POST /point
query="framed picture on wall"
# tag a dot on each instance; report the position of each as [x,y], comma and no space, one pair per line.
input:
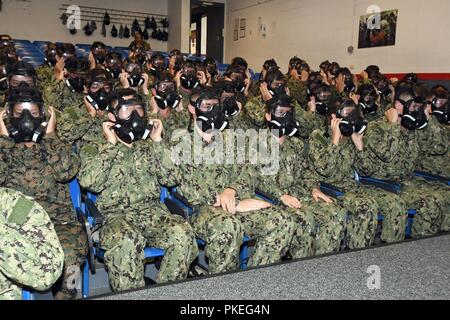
[236,29]
[243,27]
[378,29]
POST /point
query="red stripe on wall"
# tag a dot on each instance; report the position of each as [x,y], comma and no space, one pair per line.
[422,76]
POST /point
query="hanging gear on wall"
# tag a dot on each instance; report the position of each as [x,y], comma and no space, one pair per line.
[153,24]
[87,29]
[121,32]
[145,34]
[63,19]
[106,19]
[126,32]
[114,31]
[165,23]
[104,30]
[147,23]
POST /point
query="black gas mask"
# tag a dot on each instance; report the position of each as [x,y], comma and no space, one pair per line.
[212,118]
[189,80]
[441,110]
[368,104]
[114,71]
[352,121]
[135,79]
[3,78]
[239,84]
[414,120]
[277,88]
[29,125]
[131,120]
[212,70]
[283,125]
[75,83]
[230,106]
[157,68]
[166,96]
[322,103]
[99,99]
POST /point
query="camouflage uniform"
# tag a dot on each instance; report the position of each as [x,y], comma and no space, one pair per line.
[45,74]
[392,153]
[435,146]
[319,228]
[39,172]
[335,165]
[200,179]
[299,91]
[127,180]
[30,252]
[176,120]
[73,118]
[255,110]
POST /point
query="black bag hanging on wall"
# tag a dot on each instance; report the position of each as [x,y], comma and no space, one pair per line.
[107,19]
[64,18]
[165,23]
[126,32]
[154,34]
[148,23]
[87,29]
[114,32]
[145,35]
[153,24]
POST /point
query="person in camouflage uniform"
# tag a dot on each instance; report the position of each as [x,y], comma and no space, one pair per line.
[269,65]
[332,156]
[40,170]
[435,143]
[319,227]
[297,81]
[30,252]
[155,67]
[222,194]
[187,80]
[232,104]
[127,171]
[370,102]
[46,71]
[65,92]
[275,83]
[167,105]
[5,65]
[98,90]
[392,151]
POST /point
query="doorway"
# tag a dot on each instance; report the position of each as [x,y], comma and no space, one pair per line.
[207,27]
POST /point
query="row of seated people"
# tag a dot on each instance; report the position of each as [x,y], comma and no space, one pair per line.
[125,128]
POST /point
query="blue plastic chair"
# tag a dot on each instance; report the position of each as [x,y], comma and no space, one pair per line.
[149,252]
[243,254]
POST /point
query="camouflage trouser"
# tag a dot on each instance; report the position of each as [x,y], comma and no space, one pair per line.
[394,210]
[125,236]
[273,229]
[72,237]
[223,234]
[363,219]
[319,229]
[431,202]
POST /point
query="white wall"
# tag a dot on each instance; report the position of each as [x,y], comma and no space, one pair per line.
[179,30]
[317,30]
[39,20]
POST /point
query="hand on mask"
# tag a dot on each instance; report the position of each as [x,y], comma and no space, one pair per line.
[145,85]
[51,127]
[92,60]
[59,69]
[178,79]
[265,92]
[109,133]
[157,131]
[3,130]
[291,202]
[428,112]
[319,195]
[312,105]
[335,130]
[90,109]
[358,141]
[392,115]
[124,80]
[354,97]
[250,205]
[227,200]
[202,78]
[304,76]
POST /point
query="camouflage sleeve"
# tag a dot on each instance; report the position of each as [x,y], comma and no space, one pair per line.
[307,121]
[383,140]
[73,123]
[167,172]
[432,140]
[60,156]
[6,144]
[96,163]
[323,154]
[254,110]
[30,252]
